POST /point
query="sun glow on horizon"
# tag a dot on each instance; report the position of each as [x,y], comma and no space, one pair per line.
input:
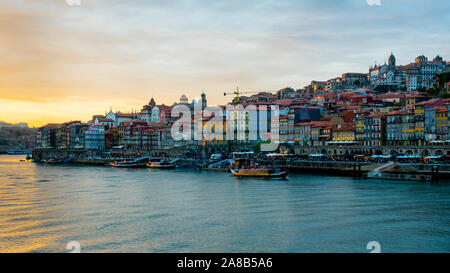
[63,62]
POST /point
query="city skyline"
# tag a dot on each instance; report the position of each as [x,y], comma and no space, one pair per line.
[69,63]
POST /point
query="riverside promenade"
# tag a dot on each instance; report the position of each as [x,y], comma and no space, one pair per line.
[352,168]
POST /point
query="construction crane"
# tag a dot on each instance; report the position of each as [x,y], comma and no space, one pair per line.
[237,93]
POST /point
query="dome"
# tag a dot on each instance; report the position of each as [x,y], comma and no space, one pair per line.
[183,99]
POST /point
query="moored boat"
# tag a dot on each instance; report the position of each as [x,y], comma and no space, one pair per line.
[161,163]
[129,164]
[51,160]
[259,172]
[59,160]
[132,163]
[245,168]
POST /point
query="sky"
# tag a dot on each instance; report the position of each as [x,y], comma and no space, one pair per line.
[61,61]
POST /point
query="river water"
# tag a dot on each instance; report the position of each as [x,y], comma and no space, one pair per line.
[44,207]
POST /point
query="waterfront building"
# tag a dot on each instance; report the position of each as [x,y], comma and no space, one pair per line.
[298,114]
[216,129]
[408,127]
[94,137]
[442,123]
[321,132]
[394,128]
[344,133]
[419,124]
[135,137]
[75,136]
[239,122]
[46,135]
[374,130]
[430,124]
[425,120]
[360,129]
[447,105]
[284,128]
[129,127]
[302,132]
[244,123]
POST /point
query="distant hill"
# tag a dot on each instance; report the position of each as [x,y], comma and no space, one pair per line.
[15,136]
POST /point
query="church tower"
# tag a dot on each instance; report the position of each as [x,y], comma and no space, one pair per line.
[152,102]
[204,104]
[392,60]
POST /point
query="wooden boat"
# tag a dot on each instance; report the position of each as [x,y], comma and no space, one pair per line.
[51,160]
[260,172]
[57,160]
[136,163]
[242,169]
[158,163]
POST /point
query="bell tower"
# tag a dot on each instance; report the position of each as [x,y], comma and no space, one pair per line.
[392,60]
[204,104]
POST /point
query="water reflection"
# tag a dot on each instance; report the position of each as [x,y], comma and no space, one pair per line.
[44,207]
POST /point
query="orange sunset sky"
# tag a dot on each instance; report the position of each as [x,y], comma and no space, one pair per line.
[62,62]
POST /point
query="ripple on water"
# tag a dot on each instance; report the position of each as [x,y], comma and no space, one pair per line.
[44,180]
[182,210]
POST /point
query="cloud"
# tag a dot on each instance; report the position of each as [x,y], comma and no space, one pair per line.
[374,2]
[131,50]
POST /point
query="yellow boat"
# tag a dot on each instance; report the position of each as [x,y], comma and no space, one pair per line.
[161,163]
[51,160]
[262,172]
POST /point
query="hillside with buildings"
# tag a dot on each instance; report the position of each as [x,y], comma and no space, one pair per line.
[391,105]
[16,136]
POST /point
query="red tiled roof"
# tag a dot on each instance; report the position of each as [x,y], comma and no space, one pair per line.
[321,124]
[302,123]
[376,114]
[428,102]
[105,120]
[133,121]
[345,127]
[122,115]
[441,109]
